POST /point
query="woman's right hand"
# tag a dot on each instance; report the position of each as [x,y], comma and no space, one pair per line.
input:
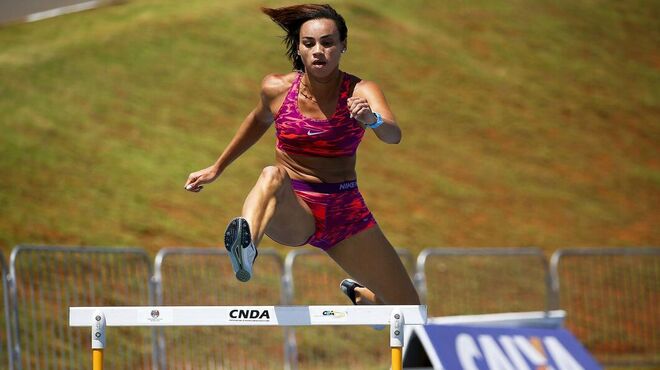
[197,179]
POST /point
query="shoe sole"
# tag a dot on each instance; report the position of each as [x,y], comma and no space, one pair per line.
[237,237]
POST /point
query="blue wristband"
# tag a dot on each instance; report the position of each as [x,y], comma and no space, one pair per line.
[379,121]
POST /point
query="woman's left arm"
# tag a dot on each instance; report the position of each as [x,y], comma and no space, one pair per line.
[368,99]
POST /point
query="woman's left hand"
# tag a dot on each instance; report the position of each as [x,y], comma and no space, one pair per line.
[360,110]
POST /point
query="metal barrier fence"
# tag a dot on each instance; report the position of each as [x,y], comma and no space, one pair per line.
[611,296]
[5,320]
[467,281]
[204,277]
[45,281]
[312,278]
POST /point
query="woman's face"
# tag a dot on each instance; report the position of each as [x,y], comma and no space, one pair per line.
[320,47]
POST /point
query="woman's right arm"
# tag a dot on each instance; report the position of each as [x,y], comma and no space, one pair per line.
[251,130]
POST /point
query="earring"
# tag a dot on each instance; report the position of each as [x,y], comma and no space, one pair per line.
[343,51]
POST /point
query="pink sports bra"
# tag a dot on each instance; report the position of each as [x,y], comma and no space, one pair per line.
[338,136]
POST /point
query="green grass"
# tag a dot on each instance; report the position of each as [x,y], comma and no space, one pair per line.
[525,122]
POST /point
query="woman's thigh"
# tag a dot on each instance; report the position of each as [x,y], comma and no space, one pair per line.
[369,258]
[292,222]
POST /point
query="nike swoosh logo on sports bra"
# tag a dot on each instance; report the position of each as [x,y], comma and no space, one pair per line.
[312,133]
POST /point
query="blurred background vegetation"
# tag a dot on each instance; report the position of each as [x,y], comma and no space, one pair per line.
[524,122]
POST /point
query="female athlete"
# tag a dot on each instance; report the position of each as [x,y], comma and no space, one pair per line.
[310,195]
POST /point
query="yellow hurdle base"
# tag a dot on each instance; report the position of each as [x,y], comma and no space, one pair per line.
[97,359]
[397,362]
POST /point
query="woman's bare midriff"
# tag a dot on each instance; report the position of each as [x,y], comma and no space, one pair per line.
[317,169]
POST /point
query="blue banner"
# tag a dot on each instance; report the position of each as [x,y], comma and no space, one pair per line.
[481,348]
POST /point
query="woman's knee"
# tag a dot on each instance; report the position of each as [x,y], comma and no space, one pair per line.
[272,178]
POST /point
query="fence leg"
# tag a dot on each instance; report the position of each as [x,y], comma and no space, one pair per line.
[98,340]
[396,339]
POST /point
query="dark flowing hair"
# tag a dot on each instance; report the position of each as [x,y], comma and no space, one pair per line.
[291,18]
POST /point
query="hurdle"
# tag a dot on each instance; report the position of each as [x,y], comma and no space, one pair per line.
[98,318]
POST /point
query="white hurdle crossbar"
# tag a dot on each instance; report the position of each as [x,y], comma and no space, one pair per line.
[98,318]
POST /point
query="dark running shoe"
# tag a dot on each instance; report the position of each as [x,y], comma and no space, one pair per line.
[348,287]
[242,252]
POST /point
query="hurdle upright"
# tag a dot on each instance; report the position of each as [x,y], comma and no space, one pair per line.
[98,318]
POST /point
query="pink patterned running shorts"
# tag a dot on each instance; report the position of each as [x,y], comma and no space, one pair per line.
[338,208]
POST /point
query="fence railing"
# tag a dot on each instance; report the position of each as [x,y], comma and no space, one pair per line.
[313,278]
[204,277]
[612,297]
[465,281]
[46,280]
[5,319]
